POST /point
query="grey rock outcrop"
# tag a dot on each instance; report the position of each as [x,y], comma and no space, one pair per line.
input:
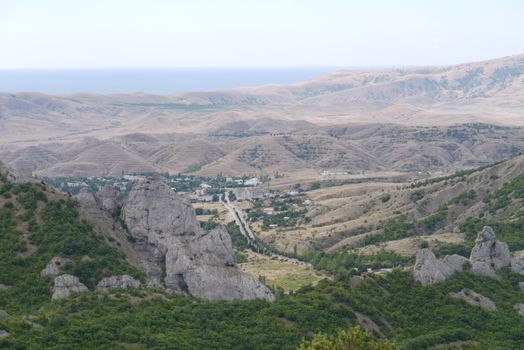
[520,309]
[489,255]
[108,199]
[473,298]
[53,268]
[429,270]
[65,285]
[123,281]
[166,231]
[517,263]
[3,314]
[521,286]
[3,286]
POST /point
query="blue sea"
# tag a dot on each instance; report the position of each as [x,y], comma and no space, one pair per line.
[155,81]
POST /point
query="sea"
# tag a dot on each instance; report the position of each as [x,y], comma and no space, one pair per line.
[149,80]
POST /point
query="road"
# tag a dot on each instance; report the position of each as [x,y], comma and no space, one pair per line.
[239,216]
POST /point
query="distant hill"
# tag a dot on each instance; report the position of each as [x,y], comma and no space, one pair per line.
[490,91]
[230,151]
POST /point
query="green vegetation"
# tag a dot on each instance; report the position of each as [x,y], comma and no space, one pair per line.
[54,231]
[354,339]
[404,312]
[239,241]
[501,198]
[345,263]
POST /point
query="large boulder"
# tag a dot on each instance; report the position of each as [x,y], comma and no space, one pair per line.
[53,268]
[65,285]
[123,281]
[180,255]
[429,270]
[473,298]
[489,255]
[517,263]
[108,199]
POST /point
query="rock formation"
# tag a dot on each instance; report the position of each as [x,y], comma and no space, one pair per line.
[486,258]
[3,314]
[86,198]
[521,286]
[489,255]
[517,263]
[520,309]
[178,254]
[123,281]
[107,199]
[65,285]
[3,286]
[473,298]
[428,269]
[52,269]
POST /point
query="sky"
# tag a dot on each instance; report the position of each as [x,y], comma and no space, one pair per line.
[256,33]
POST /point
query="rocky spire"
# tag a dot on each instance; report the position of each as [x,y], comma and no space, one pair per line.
[489,255]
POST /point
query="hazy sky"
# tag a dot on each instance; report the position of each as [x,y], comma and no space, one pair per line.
[256,33]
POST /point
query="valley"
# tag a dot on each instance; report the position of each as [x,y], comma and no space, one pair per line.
[259,217]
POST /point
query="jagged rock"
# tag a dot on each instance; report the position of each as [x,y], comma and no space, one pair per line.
[52,269]
[428,269]
[108,199]
[521,286]
[123,281]
[67,284]
[164,226]
[517,263]
[489,255]
[4,334]
[520,309]
[473,298]
[3,314]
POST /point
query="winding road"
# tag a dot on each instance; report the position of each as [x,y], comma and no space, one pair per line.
[245,230]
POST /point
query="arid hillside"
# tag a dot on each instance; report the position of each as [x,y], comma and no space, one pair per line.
[349,148]
[372,217]
[490,92]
